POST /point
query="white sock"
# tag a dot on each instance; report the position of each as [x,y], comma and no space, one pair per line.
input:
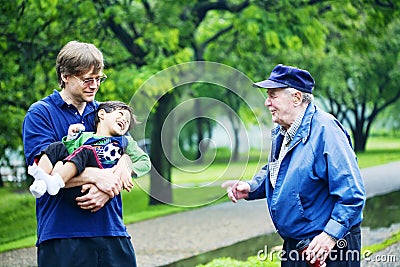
[53,182]
[34,170]
[38,188]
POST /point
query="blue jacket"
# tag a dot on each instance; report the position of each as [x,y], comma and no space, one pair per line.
[319,185]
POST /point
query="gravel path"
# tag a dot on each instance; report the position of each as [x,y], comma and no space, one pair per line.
[171,238]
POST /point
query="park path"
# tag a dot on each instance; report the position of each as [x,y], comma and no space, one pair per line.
[174,237]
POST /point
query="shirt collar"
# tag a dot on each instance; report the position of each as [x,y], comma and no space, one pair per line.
[57,99]
[291,132]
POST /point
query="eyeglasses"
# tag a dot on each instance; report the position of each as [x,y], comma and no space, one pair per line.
[89,81]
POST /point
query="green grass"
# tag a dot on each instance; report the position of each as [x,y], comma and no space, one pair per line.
[380,150]
[250,262]
[368,250]
[194,186]
[17,213]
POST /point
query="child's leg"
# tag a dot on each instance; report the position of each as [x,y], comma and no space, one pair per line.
[53,182]
[55,152]
[45,162]
[66,170]
[82,157]
[74,164]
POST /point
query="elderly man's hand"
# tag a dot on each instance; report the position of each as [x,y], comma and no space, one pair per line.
[236,189]
[319,248]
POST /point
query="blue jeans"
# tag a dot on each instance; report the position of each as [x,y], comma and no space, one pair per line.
[346,253]
[87,252]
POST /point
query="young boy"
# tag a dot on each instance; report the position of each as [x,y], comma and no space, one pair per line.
[67,159]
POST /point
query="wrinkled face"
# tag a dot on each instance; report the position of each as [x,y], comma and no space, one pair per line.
[114,123]
[281,105]
[83,88]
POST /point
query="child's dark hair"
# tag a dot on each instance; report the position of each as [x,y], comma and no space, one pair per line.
[110,106]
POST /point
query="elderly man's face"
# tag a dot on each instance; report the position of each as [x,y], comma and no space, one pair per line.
[280,103]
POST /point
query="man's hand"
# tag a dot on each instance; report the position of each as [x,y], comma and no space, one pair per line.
[104,179]
[319,248]
[93,200]
[123,170]
[236,189]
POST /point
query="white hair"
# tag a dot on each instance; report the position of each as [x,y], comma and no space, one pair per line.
[306,97]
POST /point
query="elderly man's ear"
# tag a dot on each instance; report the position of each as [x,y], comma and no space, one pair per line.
[297,98]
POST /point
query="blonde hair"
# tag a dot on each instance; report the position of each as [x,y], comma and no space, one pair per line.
[76,58]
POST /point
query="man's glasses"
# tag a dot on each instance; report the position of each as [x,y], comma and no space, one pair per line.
[90,81]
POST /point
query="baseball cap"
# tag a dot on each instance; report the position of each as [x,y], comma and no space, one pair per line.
[287,76]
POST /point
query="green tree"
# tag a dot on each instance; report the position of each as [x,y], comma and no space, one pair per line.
[157,33]
[359,73]
[351,47]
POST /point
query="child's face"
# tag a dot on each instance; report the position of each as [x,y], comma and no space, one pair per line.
[117,121]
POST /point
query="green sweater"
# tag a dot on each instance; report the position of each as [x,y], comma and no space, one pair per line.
[140,160]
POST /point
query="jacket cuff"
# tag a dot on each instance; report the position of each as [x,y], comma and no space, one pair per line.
[335,229]
[253,185]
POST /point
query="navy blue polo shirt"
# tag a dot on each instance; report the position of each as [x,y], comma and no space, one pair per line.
[47,121]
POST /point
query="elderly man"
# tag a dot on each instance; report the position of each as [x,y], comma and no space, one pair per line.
[312,182]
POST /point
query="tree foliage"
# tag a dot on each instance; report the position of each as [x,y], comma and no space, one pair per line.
[351,48]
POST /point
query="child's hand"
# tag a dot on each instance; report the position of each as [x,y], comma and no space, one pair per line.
[74,130]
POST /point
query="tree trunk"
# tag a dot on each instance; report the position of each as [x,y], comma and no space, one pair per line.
[360,141]
[200,137]
[235,156]
[160,174]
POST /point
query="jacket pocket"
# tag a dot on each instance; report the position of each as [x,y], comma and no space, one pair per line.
[299,205]
[290,216]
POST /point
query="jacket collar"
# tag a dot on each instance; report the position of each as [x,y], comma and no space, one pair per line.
[304,130]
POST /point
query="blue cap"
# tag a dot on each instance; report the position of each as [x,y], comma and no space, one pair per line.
[287,76]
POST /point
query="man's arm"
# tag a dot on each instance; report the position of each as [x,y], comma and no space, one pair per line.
[345,184]
[104,179]
[345,181]
[37,134]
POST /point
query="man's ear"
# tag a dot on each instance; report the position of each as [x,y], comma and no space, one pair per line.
[297,98]
[64,77]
